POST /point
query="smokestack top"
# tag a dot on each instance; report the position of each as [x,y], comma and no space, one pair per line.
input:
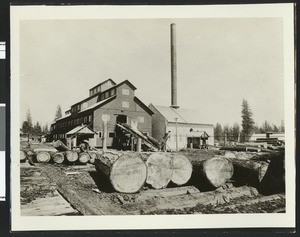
[173,67]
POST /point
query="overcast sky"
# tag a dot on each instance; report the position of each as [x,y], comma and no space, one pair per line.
[220,62]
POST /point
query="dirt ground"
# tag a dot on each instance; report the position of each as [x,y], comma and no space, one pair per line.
[90,193]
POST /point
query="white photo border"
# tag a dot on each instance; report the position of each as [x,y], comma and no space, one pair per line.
[215,221]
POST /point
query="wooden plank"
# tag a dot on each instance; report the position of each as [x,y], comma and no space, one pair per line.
[73,173]
[191,200]
[168,192]
[84,199]
[48,206]
[26,165]
[239,206]
[33,178]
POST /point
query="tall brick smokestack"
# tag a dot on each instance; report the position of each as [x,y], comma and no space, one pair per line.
[173,68]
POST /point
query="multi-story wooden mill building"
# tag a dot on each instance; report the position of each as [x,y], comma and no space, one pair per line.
[107,100]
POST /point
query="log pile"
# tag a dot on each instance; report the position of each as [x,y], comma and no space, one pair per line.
[128,172]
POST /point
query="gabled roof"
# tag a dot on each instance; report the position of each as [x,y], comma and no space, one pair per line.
[128,83]
[99,104]
[63,117]
[96,105]
[182,115]
[142,105]
[112,82]
[97,94]
[80,130]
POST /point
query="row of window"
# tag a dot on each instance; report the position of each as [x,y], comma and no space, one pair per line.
[111,135]
[73,122]
[98,88]
[59,136]
[108,94]
[103,96]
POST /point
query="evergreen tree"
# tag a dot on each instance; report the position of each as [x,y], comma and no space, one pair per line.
[275,128]
[218,131]
[226,132]
[282,128]
[58,113]
[266,127]
[235,131]
[26,127]
[27,124]
[45,128]
[37,128]
[247,121]
[256,128]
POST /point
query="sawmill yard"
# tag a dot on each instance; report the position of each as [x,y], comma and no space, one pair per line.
[218,181]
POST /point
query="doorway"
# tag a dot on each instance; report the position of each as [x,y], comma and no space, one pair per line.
[193,142]
[121,118]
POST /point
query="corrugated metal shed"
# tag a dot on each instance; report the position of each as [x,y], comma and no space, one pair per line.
[183,115]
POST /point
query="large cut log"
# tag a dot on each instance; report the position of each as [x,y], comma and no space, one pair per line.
[60,146]
[217,170]
[249,171]
[43,157]
[211,173]
[165,193]
[126,171]
[50,150]
[23,155]
[274,179]
[182,169]
[71,156]
[58,157]
[159,169]
[240,148]
[193,200]
[210,168]
[83,157]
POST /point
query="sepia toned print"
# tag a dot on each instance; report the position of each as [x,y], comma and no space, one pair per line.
[153,117]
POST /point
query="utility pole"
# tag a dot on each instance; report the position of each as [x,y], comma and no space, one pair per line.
[176,134]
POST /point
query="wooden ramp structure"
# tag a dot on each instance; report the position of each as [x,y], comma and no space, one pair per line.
[135,132]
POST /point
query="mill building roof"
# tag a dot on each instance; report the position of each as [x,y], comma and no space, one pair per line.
[183,115]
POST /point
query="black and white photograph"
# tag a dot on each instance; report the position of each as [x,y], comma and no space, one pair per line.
[152,117]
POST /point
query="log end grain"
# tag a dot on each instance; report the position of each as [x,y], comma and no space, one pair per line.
[159,170]
[58,158]
[43,157]
[182,169]
[128,174]
[84,157]
[71,156]
[23,155]
[218,170]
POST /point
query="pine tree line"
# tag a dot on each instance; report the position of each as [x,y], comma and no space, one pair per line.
[37,129]
[243,133]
